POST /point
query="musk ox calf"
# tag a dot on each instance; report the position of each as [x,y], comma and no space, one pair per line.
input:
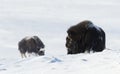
[85,36]
[30,45]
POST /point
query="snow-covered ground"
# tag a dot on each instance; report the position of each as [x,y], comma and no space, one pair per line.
[49,19]
[98,63]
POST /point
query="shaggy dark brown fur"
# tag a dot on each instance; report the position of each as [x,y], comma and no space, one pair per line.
[85,36]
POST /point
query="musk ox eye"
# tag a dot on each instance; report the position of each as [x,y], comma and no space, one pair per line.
[68,38]
[72,34]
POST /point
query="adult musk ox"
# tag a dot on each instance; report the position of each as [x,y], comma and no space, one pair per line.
[31,45]
[85,36]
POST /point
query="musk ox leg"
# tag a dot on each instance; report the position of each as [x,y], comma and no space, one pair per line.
[91,39]
[88,45]
[29,54]
[23,55]
[69,52]
[88,48]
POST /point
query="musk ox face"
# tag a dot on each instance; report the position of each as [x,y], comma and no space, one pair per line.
[74,35]
[70,43]
[73,47]
[85,36]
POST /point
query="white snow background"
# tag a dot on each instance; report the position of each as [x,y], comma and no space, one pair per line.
[50,19]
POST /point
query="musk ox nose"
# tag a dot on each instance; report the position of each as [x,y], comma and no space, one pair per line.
[42,52]
[43,46]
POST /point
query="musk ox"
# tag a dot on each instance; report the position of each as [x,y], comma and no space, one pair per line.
[85,36]
[31,45]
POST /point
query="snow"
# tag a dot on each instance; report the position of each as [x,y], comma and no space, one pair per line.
[98,63]
[50,19]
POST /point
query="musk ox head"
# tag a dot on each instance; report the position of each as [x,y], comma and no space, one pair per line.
[73,47]
[38,42]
